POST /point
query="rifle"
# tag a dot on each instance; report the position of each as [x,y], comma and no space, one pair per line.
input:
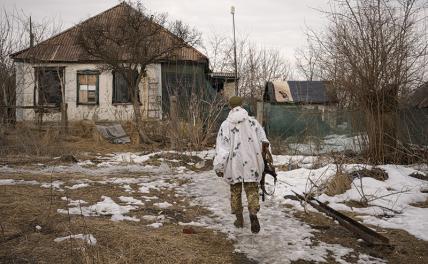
[268,169]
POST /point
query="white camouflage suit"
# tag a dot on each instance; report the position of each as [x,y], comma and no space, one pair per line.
[239,148]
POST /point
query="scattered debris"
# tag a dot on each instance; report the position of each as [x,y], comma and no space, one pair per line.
[114,133]
[189,230]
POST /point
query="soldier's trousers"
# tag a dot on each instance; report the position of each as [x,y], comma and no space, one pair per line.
[252,192]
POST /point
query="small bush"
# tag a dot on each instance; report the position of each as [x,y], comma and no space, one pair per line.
[338,184]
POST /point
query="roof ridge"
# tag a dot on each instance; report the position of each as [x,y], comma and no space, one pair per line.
[122,7]
[70,28]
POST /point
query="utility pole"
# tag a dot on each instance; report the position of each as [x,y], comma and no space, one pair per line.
[232,11]
[31,34]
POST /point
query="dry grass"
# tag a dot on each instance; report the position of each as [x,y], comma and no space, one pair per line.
[23,207]
[31,144]
[338,184]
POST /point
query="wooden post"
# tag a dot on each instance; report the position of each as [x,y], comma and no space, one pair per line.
[64,118]
[265,116]
[259,115]
[173,113]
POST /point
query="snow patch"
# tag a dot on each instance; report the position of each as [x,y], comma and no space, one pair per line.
[130,200]
[106,207]
[77,186]
[163,205]
[155,225]
[89,239]
[54,185]
[17,182]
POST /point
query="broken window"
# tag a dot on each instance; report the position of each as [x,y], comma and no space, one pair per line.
[50,82]
[87,86]
[121,89]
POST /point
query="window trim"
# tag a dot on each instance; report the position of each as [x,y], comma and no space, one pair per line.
[37,70]
[115,103]
[88,72]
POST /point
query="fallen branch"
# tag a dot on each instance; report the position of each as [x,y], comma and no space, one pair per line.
[367,234]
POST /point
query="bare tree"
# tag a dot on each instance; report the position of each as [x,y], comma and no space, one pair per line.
[133,40]
[256,65]
[14,36]
[307,61]
[374,52]
[217,48]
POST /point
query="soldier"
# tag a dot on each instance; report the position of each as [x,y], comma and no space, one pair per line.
[239,160]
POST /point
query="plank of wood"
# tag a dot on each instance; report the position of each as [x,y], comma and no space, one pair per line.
[367,234]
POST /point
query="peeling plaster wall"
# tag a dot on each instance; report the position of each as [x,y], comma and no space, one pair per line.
[105,110]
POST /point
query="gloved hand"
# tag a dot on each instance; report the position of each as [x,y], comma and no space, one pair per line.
[267,156]
[219,174]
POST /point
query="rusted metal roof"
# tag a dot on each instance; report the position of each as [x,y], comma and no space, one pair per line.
[64,47]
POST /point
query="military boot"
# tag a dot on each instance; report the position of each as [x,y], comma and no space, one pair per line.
[255,225]
[239,222]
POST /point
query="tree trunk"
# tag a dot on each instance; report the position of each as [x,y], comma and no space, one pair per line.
[64,118]
[382,136]
[139,124]
[137,114]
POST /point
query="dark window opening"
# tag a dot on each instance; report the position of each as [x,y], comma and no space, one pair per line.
[185,81]
[50,82]
[121,90]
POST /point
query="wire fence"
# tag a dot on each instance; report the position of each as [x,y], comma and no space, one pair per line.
[294,129]
[310,129]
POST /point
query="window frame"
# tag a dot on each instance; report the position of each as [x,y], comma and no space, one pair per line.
[113,101]
[88,72]
[37,70]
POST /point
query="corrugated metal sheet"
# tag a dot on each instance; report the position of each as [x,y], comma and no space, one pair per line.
[228,75]
[312,92]
[64,47]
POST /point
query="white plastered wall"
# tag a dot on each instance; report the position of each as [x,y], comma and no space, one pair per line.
[105,110]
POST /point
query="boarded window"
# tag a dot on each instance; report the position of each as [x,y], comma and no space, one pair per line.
[87,87]
[121,89]
[49,82]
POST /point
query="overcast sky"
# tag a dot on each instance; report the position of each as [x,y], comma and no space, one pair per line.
[269,23]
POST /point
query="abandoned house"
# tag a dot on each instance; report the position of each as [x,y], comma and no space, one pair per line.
[91,93]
